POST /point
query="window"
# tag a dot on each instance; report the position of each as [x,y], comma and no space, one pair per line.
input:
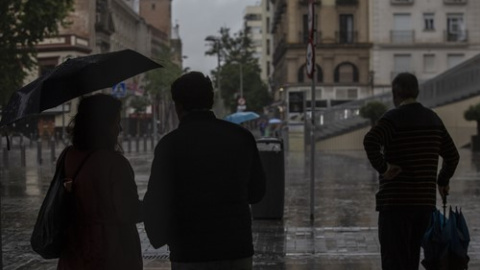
[429,63]
[455,27]
[346,73]
[402,30]
[346,28]
[305,33]
[268,46]
[401,63]
[454,59]
[429,21]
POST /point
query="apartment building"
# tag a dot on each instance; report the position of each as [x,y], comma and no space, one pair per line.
[99,26]
[425,37]
[342,68]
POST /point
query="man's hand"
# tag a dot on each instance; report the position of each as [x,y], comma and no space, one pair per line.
[443,190]
[391,172]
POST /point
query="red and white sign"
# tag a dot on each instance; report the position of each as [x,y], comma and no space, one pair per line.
[310,59]
[241,101]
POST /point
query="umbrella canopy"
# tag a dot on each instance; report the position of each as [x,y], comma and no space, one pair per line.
[240,117]
[274,121]
[73,78]
[445,244]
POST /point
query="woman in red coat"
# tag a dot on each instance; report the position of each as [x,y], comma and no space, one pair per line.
[103,234]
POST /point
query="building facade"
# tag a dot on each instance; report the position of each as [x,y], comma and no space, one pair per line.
[100,26]
[424,37]
[342,68]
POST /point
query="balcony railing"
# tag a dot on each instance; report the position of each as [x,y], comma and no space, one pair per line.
[346,2]
[454,2]
[401,2]
[402,36]
[460,36]
[346,37]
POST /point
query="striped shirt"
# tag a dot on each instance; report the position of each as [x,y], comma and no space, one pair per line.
[412,137]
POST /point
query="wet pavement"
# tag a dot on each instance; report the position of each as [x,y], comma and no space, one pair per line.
[343,234]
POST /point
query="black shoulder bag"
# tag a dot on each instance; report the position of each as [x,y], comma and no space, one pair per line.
[54,216]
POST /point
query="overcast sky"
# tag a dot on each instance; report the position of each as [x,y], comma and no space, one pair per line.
[200,18]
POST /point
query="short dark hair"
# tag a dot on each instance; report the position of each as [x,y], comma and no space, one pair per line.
[405,85]
[194,91]
[91,127]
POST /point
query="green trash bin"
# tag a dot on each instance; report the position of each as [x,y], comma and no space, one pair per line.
[272,156]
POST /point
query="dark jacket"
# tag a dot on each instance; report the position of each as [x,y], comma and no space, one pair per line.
[412,137]
[103,234]
[204,176]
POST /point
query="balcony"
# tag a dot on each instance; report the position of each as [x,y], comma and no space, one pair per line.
[346,37]
[346,2]
[454,2]
[459,36]
[401,2]
[402,36]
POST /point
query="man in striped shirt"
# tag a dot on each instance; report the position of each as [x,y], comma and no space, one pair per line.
[404,147]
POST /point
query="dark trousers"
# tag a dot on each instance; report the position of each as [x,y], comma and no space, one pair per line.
[400,234]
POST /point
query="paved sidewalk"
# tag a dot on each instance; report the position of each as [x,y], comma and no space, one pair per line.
[343,235]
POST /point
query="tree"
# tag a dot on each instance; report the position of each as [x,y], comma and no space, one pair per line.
[158,83]
[373,111]
[237,55]
[24,23]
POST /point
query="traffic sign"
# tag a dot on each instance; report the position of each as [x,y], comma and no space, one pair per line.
[119,90]
[310,59]
[241,101]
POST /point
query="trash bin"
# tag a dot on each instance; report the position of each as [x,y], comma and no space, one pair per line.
[272,157]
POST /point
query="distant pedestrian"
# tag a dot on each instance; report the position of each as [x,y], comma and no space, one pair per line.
[203,178]
[262,126]
[404,147]
[102,234]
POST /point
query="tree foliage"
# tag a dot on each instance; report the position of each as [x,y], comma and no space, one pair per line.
[158,81]
[373,111]
[23,24]
[237,59]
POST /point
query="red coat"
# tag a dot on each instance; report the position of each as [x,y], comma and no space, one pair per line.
[104,234]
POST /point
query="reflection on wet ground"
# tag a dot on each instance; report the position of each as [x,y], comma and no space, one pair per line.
[343,235]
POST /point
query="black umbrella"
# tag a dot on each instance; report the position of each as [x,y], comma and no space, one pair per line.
[445,244]
[73,78]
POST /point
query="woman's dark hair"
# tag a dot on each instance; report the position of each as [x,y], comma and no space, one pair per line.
[91,128]
[194,91]
[405,85]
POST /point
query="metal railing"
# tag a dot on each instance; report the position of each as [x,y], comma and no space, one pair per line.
[450,2]
[457,83]
[459,36]
[401,2]
[402,36]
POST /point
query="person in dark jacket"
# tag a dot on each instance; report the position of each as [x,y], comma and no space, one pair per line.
[404,147]
[204,176]
[103,233]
